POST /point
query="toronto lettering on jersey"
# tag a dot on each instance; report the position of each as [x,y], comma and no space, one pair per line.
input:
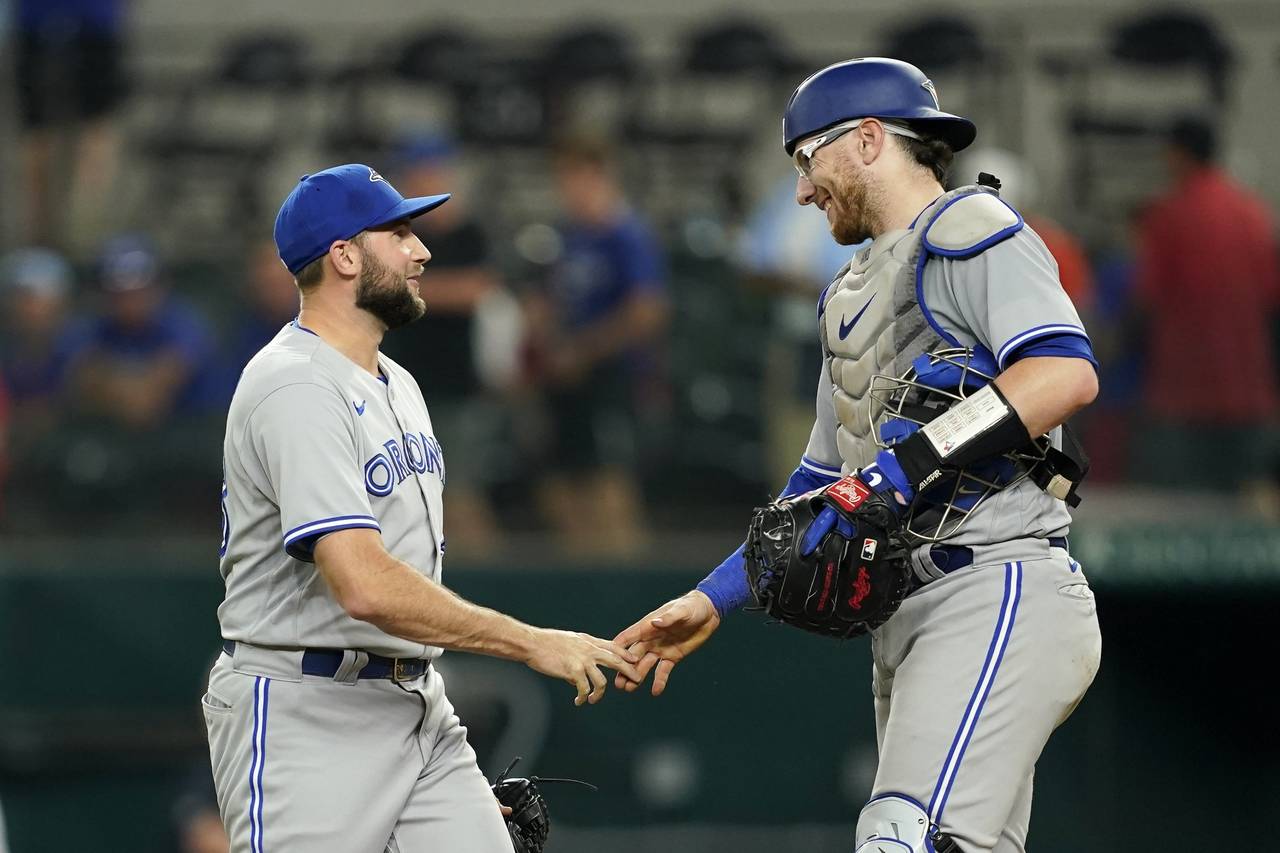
[416,452]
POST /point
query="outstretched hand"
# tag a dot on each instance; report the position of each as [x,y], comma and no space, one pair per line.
[665,637]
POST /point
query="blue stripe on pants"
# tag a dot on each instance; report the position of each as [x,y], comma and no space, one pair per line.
[981,691]
[261,698]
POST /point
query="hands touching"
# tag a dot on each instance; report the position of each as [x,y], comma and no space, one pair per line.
[577,658]
[665,637]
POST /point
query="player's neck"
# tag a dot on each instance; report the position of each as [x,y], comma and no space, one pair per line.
[902,206]
[351,331]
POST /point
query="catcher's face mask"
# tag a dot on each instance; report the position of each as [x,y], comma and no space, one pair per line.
[933,384]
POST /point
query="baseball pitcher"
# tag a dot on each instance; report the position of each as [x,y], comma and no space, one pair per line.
[329,728]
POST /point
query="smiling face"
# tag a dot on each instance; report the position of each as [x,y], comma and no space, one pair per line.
[388,285]
[845,189]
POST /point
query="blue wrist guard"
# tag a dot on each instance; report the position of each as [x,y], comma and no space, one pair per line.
[727,586]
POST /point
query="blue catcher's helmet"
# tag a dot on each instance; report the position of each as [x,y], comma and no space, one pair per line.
[871,87]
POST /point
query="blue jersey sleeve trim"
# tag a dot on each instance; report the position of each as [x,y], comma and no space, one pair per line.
[300,542]
[803,480]
[1021,339]
[820,468]
[1056,346]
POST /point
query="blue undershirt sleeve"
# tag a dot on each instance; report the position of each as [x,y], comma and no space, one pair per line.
[726,586]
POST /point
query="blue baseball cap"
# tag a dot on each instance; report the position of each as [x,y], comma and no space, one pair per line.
[128,262]
[337,204]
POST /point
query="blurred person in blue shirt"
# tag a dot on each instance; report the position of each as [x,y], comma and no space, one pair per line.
[271,298]
[787,252]
[444,348]
[148,356]
[597,328]
[40,337]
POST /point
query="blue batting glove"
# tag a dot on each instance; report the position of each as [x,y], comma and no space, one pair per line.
[826,520]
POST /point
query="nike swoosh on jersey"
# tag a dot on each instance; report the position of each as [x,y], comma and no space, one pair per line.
[359,407]
[846,328]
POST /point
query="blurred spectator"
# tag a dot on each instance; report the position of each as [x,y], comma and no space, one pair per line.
[1020,186]
[272,298]
[1116,330]
[70,80]
[4,842]
[788,251]
[596,328]
[40,339]
[440,349]
[1208,280]
[148,356]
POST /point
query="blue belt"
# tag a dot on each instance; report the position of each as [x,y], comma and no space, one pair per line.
[326,662]
[950,558]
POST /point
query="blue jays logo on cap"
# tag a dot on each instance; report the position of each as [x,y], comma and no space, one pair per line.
[337,204]
[928,86]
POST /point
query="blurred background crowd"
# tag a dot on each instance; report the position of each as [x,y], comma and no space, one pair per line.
[621,296]
[619,353]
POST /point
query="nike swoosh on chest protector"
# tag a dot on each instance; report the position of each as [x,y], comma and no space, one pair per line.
[846,328]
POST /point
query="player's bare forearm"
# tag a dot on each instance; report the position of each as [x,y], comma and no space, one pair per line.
[1046,391]
[373,586]
[391,595]
[666,636]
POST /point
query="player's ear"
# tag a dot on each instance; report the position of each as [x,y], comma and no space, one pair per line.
[345,257]
[871,140]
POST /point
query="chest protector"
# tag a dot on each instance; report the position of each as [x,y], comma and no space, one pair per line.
[871,320]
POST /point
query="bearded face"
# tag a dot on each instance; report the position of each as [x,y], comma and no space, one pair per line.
[855,203]
[387,294]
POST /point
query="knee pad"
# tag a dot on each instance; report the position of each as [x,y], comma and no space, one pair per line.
[894,823]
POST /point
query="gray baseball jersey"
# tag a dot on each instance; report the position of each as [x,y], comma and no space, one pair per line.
[335,763]
[315,444]
[979,666]
[1002,299]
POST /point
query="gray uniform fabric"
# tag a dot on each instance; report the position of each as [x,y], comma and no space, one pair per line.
[314,445]
[979,666]
[1002,298]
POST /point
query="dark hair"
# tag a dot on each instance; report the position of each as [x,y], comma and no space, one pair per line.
[931,153]
[1195,136]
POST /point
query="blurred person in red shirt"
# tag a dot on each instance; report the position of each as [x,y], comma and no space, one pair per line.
[1208,282]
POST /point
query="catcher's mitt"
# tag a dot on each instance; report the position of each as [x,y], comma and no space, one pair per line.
[529,822]
[829,561]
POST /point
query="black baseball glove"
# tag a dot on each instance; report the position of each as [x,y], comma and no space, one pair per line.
[829,561]
[529,822]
